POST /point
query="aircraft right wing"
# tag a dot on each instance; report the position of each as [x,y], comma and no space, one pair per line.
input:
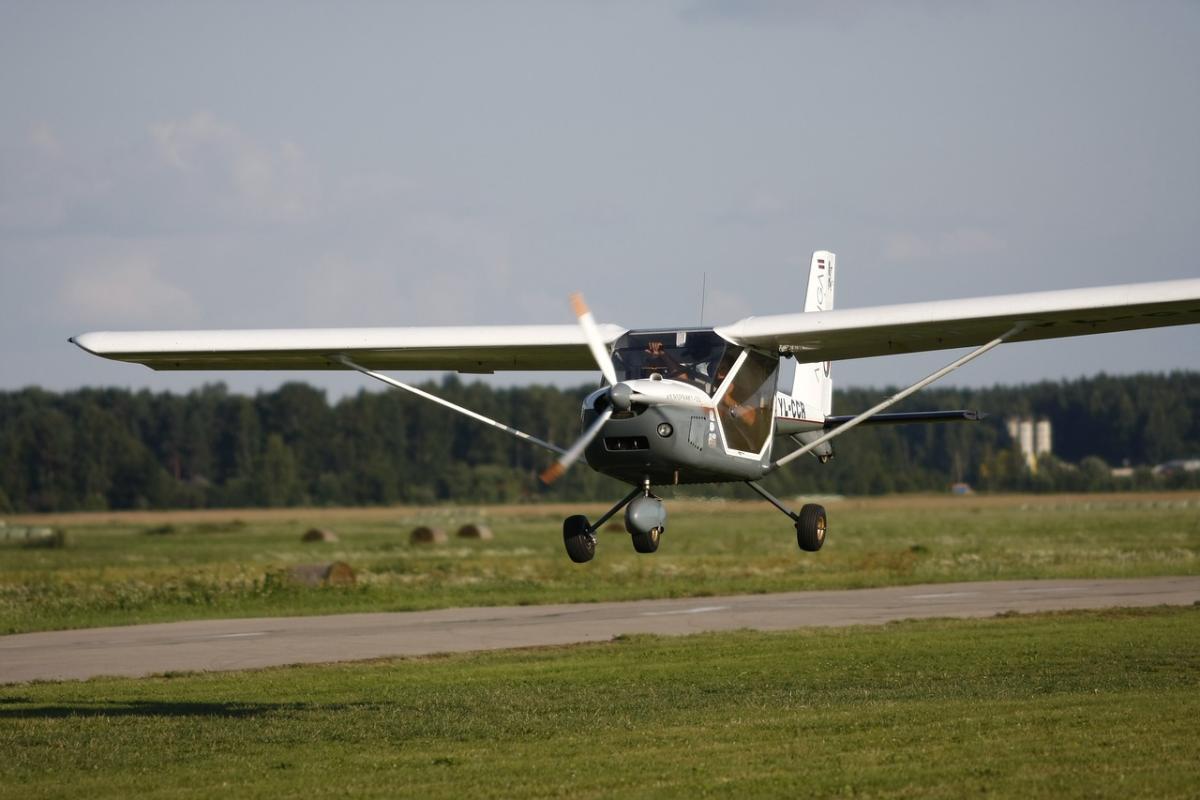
[947,324]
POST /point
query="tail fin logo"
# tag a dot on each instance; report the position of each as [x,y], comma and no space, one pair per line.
[819,296]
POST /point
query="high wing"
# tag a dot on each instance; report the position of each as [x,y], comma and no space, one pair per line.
[945,324]
[813,336]
[474,349]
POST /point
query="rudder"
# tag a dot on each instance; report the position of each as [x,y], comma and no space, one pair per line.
[812,384]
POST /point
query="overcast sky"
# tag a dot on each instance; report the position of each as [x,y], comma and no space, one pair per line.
[202,165]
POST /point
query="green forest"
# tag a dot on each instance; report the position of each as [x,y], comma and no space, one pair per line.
[98,449]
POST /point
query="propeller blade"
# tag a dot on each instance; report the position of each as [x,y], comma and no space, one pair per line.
[556,470]
[592,334]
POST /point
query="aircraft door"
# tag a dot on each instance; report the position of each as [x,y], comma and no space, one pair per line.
[745,407]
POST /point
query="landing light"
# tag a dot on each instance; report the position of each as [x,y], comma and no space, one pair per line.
[665,429]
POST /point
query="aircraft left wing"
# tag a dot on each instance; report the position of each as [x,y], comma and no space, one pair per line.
[947,324]
[471,349]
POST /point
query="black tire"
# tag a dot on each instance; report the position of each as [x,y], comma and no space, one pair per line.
[810,528]
[579,538]
[646,542]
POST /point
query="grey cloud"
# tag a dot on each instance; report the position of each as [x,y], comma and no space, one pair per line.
[961,243]
[773,12]
[195,173]
[834,14]
[129,287]
[218,165]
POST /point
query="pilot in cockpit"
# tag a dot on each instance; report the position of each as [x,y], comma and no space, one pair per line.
[657,361]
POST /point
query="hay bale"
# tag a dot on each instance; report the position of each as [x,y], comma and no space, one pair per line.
[319,535]
[473,531]
[46,537]
[337,573]
[427,535]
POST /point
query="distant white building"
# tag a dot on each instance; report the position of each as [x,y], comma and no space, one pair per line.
[1178,465]
[1032,438]
[1041,438]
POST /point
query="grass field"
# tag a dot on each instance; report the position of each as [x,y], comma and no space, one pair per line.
[126,568]
[1081,704]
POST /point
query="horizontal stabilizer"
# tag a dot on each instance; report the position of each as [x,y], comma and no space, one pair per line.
[909,417]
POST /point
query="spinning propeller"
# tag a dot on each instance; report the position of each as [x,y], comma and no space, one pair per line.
[620,395]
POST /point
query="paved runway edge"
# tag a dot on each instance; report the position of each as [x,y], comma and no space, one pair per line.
[214,645]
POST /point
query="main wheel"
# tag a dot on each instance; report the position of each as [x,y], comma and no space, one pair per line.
[810,528]
[579,538]
[646,542]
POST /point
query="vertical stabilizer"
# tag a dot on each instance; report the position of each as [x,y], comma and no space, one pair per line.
[819,296]
[812,384]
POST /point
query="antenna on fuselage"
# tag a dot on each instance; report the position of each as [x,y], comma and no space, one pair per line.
[703,289]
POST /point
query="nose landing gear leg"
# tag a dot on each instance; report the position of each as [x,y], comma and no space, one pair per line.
[646,520]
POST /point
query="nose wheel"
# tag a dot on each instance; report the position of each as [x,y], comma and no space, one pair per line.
[646,520]
[646,542]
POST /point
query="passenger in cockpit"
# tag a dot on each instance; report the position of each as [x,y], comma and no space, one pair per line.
[699,363]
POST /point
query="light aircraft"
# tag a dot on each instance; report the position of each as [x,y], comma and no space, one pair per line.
[691,405]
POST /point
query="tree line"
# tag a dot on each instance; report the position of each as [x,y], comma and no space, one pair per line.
[97,449]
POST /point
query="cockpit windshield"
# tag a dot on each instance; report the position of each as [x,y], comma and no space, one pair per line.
[689,356]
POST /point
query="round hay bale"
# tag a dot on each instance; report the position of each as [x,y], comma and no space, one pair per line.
[319,535]
[428,535]
[338,573]
[46,537]
[473,531]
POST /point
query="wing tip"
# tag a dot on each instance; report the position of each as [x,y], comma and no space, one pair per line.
[82,342]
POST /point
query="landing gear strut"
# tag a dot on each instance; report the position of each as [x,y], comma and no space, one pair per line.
[810,522]
[645,519]
[579,535]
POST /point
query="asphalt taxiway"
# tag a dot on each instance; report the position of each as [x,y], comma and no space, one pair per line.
[231,644]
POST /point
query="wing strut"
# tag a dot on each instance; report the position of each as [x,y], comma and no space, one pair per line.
[898,396]
[341,359]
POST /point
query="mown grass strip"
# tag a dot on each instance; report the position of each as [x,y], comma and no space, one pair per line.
[1080,704]
[124,573]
